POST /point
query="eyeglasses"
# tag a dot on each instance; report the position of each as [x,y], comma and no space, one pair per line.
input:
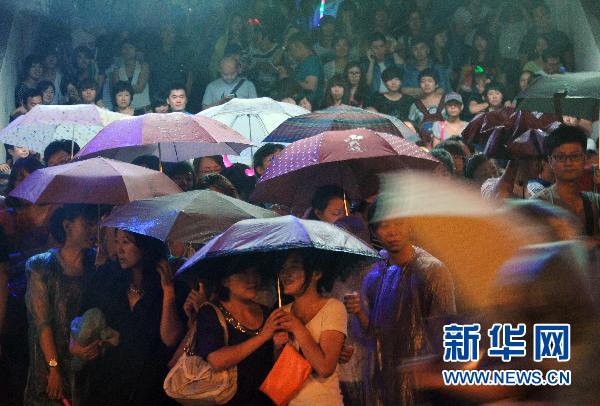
[562,158]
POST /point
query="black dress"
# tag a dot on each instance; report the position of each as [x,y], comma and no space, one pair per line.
[252,371]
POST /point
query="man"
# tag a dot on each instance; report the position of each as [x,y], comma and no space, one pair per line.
[31,98]
[308,72]
[177,98]
[264,156]
[565,148]
[60,152]
[378,62]
[420,53]
[552,62]
[229,86]
[408,298]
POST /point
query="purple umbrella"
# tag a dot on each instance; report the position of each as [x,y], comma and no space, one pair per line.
[173,137]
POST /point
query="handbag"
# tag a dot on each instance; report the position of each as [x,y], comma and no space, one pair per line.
[192,381]
[287,376]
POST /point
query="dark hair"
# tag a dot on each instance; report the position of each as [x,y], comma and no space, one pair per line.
[494,86]
[217,181]
[69,212]
[43,85]
[243,183]
[263,152]
[313,261]
[60,145]
[217,158]
[327,19]
[551,52]
[429,73]
[444,157]
[147,161]
[473,163]
[178,168]
[87,84]
[336,80]
[285,88]
[31,93]
[121,86]
[362,91]
[82,50]
[231,266]
[176,86]
[28,164]
[64,84]
[30,60]
[323,196]
[391,73]
[564,134]
[300,38]
[158,102]
[419,39]
[453,147]
[376,36]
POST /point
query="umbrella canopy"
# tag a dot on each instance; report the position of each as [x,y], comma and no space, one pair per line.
[333,119]
[44,124]
[279,234]
[351,159]
[578,94]
[253,118]
[94,181]
[174,137]
[452,221]
[191,217]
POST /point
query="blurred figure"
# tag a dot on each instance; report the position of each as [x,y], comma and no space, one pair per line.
[328,204]
[458,155]
[479,168]
[208,164]
[147,161]
[32,74]
[60,152]
[217,183]
[48,92]
[264,156]
[446,167]
[336,92]
[135,73]
[182,174]
[242,178]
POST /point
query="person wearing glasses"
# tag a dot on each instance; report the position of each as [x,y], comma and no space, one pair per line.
[565,148]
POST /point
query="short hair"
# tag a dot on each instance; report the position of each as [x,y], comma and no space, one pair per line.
[147,161]
[44,85]
[300,38]
[494,86]
[69,212]
[419,39]
[453,147]
[263,152]
[28,164]
[30,93]
[176,86]
[219,182]
[445,158]
[376,36]
[121,86]
[324,194]
[217,158]
[87,84]
[473,163]
[60,145]
[64,84]
[564,134]
[391,73]
[178,168]
[429,73]
[551,52]
[29,61]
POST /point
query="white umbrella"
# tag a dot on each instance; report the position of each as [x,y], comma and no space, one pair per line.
[253,118]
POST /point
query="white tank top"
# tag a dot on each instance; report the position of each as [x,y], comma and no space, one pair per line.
[139,99]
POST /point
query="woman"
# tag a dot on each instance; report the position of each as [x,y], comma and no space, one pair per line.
[452,125]
[348,26]
[483,58]
[336,93]
[136,74]
[208,164]
[392,102]
[122,96]
[32,68]
[328,204]
[57,282]
[317,324]
[84,66]
[235,35]
[140,301]
[358,88]
[48,91]
[250,329]
[535,62]
[337,65]
[70,91]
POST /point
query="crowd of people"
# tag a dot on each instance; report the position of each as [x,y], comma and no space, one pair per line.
[432,65]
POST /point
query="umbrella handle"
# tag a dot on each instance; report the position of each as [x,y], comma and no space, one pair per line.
[558,105]
[278,292]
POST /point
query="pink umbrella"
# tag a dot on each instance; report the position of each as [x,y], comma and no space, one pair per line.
[173,137]
[94,181]
[351,159]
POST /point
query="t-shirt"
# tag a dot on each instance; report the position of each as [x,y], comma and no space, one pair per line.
[411,76]
[397,108]
[218,89]
[316,390]
[311,66]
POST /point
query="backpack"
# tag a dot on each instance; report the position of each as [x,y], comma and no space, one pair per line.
[426,127]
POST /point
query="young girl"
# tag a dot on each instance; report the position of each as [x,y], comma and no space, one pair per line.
[317,325]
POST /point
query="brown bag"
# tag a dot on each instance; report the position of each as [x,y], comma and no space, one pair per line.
[287,376]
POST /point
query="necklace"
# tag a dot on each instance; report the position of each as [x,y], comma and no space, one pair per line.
[233,322]
[135,291]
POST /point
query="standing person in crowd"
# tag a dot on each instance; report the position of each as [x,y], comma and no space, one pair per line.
[318,324]
[208,164]
[32,68]
[31,98]
[88,93]
[336,92]
[52,72]
[357,84]
[452,125]
[217,183]
[14,154]
[229,86]
[440,53]
[264,156]
[325,39]
[308,72]
[337,65]
[483,57]
[235,35]
[177,98]
[328,204]
[250,329]
[182,174]
[535,61]
[84,66]
[70,90]
[134,72]
[60,152]
[378,61]
[420,62]
[393,102]
[122,97]
[57,282]
[141,302]
[430,107]
[479,168]
[494,96]
[457,151]
[48,92]
[411,283]
[263,56]
[349,27]
[414,29]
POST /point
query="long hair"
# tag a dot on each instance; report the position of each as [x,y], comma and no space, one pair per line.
[362,90]
[336,80]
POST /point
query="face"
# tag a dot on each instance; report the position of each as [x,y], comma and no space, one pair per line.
[341,48]
[480,43]
[524,80]
[162,109]
[378,50]
[48,95]
[208,165]
[229,71]
[394,234]
[459,164]
[354,75]
[337,92]
[82,61]
[128,51]
[266,162]
[35,71]
[485,171]
[453,109]
[72,93]
[128,254]
[393,85]
[81,231]
[420,52]
[185,181]
[18,153]
[123,99]
[552,66]
[334,211]
[177,100]
[243,285]
[494,98]
[50,61]
[32,102]
[88,96]
[573,162]
[428,84]
[292,275]
[60,157]
[441,39]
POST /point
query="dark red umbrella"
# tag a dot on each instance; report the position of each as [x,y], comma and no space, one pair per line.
[351,159]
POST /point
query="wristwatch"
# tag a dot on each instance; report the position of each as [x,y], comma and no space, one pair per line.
[53,363]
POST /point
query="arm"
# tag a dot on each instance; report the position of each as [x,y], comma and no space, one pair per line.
[412,92]
[142,79]
[171,328]
[370,71]
[309,83]
[476,108]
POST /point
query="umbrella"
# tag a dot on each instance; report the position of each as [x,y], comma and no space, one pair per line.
[573,94]
[94,181]
[350,159]
[253,118]
[191,217]
[279,234]
[174,137]
[44,124]
[333,119]
[452,222]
